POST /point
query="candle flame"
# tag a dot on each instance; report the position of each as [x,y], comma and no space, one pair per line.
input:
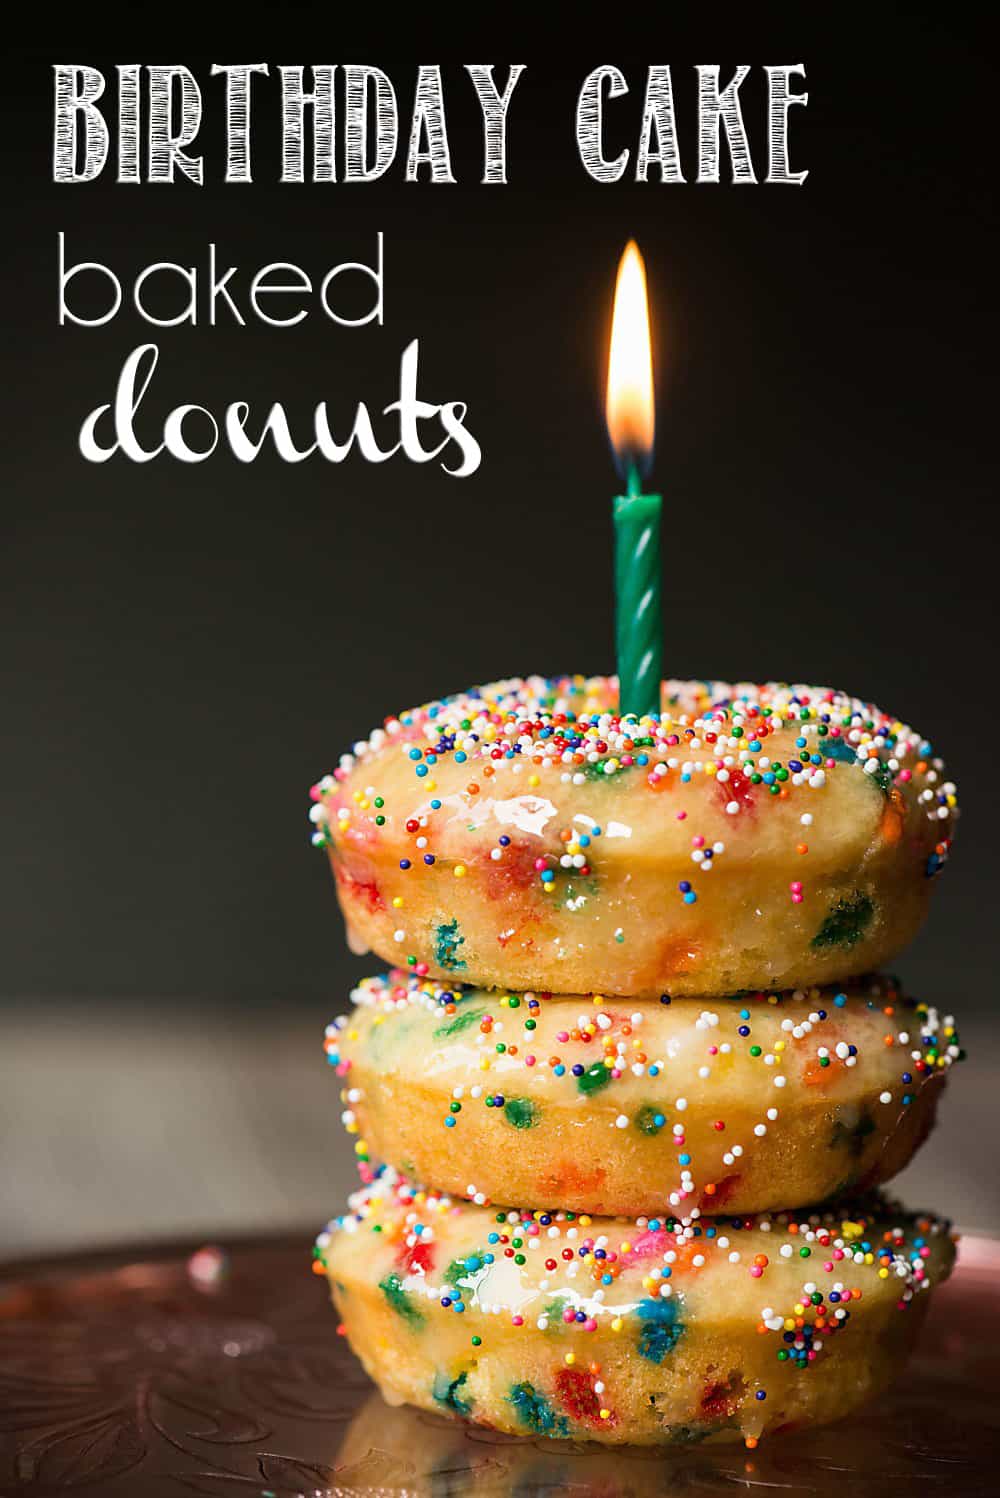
[629,404]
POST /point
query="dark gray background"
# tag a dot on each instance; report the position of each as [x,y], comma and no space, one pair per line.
[188,647]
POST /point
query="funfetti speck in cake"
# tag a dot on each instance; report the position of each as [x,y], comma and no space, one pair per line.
[523,835]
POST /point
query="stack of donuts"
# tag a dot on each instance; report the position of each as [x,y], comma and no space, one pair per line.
[623,1101]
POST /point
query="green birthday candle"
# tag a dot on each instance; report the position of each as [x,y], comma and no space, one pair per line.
[638,606]
[630,416]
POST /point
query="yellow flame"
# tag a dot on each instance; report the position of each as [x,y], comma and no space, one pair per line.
[629,403]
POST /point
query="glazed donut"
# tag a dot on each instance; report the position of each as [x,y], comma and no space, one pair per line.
[658,1330]
[613,1108]
[523,835]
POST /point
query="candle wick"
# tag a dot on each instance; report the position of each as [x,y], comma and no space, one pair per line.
[633,482]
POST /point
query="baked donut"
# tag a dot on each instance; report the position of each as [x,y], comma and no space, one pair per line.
[607,1107]
[658,1330]
[523,835]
